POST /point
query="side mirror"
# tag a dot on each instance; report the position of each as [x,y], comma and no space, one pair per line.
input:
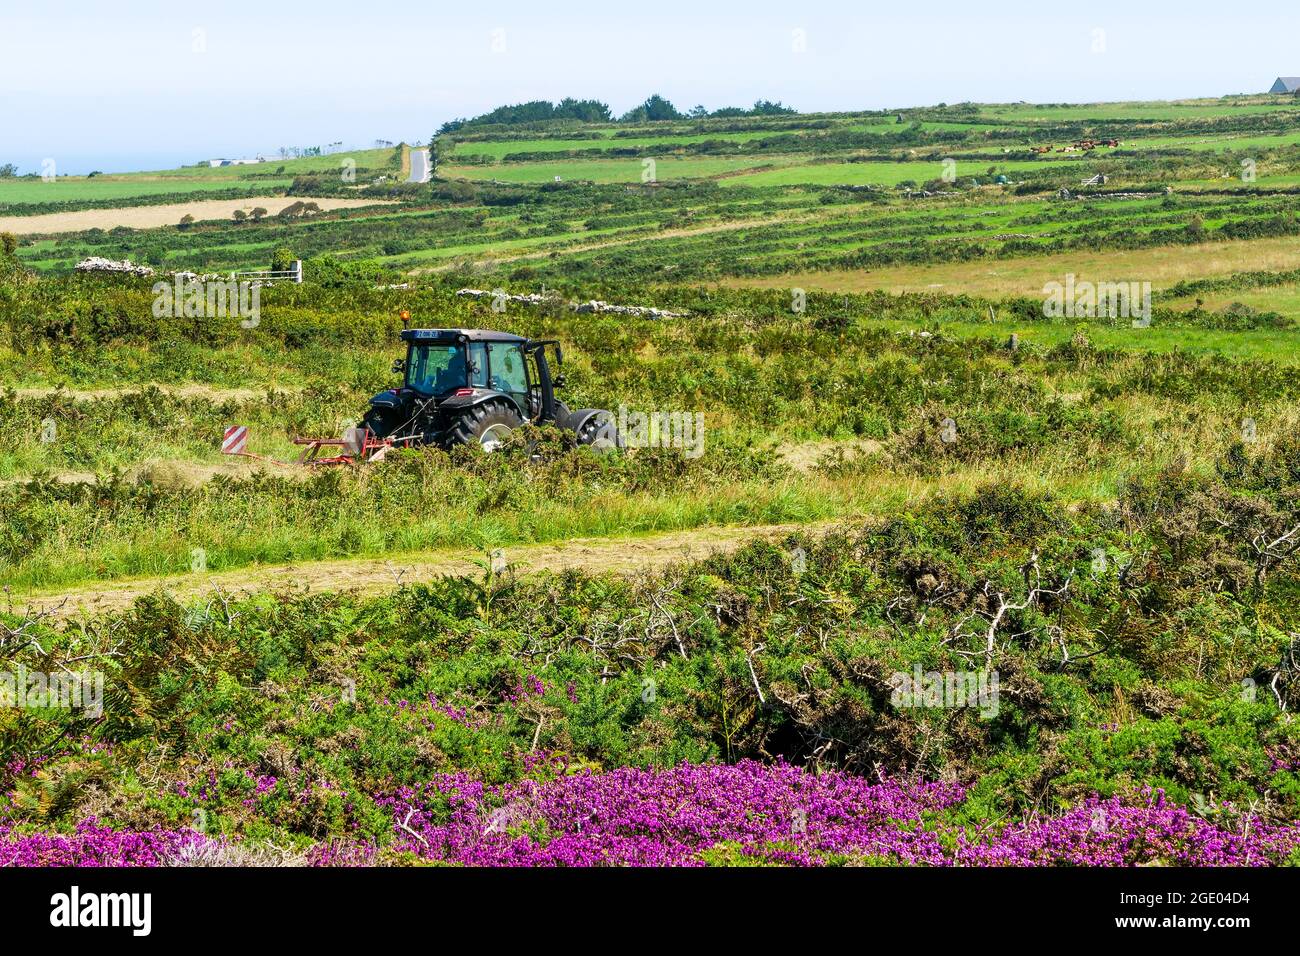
[399,366]
[558,381]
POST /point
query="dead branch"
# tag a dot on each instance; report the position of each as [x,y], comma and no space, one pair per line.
[1005,606]
[753,675]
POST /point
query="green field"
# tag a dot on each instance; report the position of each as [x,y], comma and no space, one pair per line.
[66,189]
[497,151]
[121,188]
[891,174]
[631,170]
[1186,109]
[364,159]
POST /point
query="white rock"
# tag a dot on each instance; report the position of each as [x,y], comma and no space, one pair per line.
[100,264]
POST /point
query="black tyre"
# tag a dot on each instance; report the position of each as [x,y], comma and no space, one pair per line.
[487,425]
[379,421]
[596,427]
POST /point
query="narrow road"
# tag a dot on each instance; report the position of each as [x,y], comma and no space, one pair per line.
[420,171]
[622,555]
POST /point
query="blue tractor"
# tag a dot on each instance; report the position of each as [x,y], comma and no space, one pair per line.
[474,386]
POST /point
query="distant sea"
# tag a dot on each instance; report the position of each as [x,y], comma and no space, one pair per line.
[81,164]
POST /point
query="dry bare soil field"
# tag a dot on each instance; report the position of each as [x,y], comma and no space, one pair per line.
[151,217]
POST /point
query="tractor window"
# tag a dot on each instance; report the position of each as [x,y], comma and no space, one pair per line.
[434,369]
[478,370]
[508,372]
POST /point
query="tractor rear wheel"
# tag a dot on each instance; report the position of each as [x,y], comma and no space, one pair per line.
[380,423]
[488,425]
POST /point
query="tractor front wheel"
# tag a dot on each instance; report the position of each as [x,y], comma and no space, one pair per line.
[488,425]
[597,428]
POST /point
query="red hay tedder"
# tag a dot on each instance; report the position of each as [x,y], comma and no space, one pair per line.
[358,445]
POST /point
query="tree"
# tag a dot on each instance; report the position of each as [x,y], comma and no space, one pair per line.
[282,259]
[768,108]
[240,215]
[585,111]
[536,111]
[658,108]
[760,108]
[654,108]
[8,245]
[8,171]
[186,221]
[298,209]
[258,213]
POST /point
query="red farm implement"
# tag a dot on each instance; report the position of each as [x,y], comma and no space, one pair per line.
[358,445]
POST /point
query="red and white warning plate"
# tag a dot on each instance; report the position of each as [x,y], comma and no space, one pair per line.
[235,439]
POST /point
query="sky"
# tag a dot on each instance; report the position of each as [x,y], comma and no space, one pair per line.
[156,83]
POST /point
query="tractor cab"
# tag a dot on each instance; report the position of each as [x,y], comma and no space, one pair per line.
[473,363]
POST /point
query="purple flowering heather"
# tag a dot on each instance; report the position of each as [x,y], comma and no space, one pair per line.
[665,818]
[95,845]
[681,816]
[1115,833]
[784,814]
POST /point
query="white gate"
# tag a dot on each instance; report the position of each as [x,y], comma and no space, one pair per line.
[271,275]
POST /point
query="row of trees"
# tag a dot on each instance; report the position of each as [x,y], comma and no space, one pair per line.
[536,111]
[655,107]
[295,210]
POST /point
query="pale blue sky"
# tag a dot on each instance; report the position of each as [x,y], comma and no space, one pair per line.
[160,82]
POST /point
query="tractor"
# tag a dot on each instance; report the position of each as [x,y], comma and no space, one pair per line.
[474,386]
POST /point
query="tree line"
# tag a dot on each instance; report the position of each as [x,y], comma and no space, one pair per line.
[655,107]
